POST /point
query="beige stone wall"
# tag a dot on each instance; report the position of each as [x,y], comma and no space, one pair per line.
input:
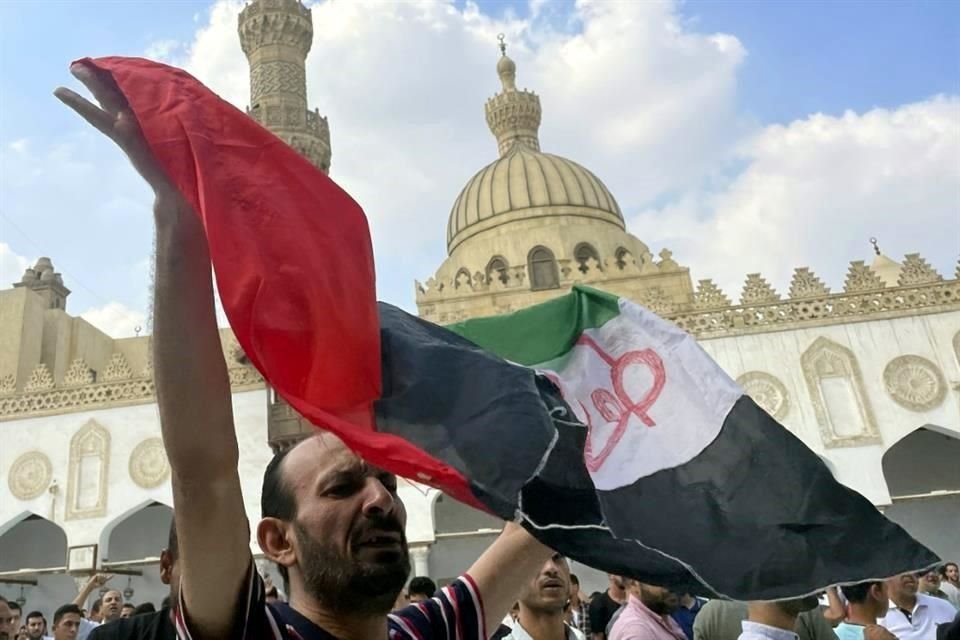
[21,333]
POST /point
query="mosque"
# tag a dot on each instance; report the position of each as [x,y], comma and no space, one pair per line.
[868,377]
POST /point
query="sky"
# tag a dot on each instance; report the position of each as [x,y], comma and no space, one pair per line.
[744,136]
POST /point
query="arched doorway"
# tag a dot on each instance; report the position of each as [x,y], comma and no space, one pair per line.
[922,471]
[130,548]
[32,562]
[462,534]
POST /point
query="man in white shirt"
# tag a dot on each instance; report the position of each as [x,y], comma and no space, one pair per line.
[912,615]
[950,584]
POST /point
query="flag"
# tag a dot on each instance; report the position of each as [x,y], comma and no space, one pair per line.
[606,430]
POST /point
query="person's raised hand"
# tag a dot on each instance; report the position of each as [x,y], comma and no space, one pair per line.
[100,579]
[116,120]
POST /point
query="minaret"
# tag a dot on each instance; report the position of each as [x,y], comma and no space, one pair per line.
[512,115]
[276,36]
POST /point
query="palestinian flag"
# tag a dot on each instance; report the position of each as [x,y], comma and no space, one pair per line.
[607,431]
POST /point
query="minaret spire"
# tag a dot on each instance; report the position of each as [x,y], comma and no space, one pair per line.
[513,115]
[276,36]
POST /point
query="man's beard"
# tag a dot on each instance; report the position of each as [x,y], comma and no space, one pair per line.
[350,586]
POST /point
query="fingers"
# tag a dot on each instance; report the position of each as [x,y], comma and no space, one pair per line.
[90,112]
[102,86]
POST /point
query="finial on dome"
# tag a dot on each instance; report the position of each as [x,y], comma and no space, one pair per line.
[506,68]
[876,248]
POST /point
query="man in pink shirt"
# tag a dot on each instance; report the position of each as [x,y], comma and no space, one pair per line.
[646,615]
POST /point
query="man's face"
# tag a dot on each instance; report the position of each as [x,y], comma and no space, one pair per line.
[660,600]
[67,628]
[112,603]
[7,628]
[126,611]
[618,581]
[902,586]
[877,600]
[35,627]
[953,573]
[349,537]
[930,582]
[549,591]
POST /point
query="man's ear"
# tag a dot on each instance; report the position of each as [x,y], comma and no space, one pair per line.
[276,541]
[166,567]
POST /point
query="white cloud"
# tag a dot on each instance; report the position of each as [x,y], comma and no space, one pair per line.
[162,50]
[116,319]
[19,146]
[12,266]
[813,192]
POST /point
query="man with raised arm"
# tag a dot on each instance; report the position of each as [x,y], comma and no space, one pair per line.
[333,523]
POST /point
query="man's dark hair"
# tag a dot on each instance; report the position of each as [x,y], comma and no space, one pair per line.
[277,500]
[95,607]
[574,579]
[422,585]
[857,593]
[944,567]
[64,610]
[34,614]
[128,605]
[146,607]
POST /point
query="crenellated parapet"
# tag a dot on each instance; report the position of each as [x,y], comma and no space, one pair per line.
[918,290]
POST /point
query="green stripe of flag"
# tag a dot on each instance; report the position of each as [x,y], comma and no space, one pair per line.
[543,332]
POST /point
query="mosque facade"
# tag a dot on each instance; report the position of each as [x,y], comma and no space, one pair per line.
[867,377]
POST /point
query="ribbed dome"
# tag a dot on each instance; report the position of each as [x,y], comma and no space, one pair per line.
[522,181]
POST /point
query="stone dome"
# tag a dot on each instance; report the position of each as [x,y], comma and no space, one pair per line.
[525,184]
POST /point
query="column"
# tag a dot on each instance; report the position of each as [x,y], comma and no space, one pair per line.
[421,560]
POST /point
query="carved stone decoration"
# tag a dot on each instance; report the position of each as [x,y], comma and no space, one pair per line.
[709,296]
[117,369]
[807,285]
[30,475]
[757,291]
[655,299]
[767,391]
[148,465]
[8,384]
[78,374]
[860,277]
[244,376]
[838,395]
[916,271]
[40,379]
[89,466]
[914,383]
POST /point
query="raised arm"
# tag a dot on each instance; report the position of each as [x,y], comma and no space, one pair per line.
[96,581]
[503,570]
[193,389]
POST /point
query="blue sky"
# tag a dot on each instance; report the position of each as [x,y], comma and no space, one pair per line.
[801,58]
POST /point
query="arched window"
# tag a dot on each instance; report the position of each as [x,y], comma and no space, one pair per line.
[543,269]
[621,257]
[582,254]
[497,268]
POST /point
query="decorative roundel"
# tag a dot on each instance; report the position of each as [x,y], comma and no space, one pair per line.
[914,383]
[148,464]
[30,475]
[767,391]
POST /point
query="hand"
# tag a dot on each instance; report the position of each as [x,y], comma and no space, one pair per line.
[97,580]
[876,632]
[116,121]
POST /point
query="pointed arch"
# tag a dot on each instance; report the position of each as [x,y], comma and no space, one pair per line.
[923,480]
[542,267]
[88,472]
[139,532]
[31,541]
